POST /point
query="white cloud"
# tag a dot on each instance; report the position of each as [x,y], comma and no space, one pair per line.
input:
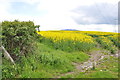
[59,13]
[101,13]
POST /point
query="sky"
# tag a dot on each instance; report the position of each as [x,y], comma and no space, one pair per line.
[85,15]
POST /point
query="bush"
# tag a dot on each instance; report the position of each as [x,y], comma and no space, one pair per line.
[18,37]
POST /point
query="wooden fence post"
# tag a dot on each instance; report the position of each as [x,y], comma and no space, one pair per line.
[7,55]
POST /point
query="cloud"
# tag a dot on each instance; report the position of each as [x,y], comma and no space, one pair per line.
[100,13]
[54,14]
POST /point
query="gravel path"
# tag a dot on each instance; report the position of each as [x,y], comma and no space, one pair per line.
[95,57]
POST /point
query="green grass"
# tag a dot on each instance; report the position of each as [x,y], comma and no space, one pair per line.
[45,63]
[69,45]
[77,56]
[98,74]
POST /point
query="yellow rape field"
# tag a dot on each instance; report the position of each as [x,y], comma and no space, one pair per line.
[89,32]
[66,35]
[81,40]
[99,33]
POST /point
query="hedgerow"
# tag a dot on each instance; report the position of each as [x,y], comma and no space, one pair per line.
[19,37]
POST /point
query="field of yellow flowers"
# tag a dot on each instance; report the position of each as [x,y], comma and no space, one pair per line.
[81,40]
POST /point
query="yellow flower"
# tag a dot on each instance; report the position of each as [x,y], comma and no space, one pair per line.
[66,35]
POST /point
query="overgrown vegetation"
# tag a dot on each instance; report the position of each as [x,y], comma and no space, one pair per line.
[53,53]
[45,63]
[106,43]
[19,38]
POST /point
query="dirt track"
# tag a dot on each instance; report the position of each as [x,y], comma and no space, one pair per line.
[95,57]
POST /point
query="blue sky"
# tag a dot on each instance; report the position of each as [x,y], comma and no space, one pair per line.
[90,15]
[22,8]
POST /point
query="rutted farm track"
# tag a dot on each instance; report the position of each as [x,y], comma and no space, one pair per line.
[94,61]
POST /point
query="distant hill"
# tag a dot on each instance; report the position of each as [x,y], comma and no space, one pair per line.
[69,30]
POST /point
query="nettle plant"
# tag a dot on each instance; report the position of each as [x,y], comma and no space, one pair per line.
[19,37]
